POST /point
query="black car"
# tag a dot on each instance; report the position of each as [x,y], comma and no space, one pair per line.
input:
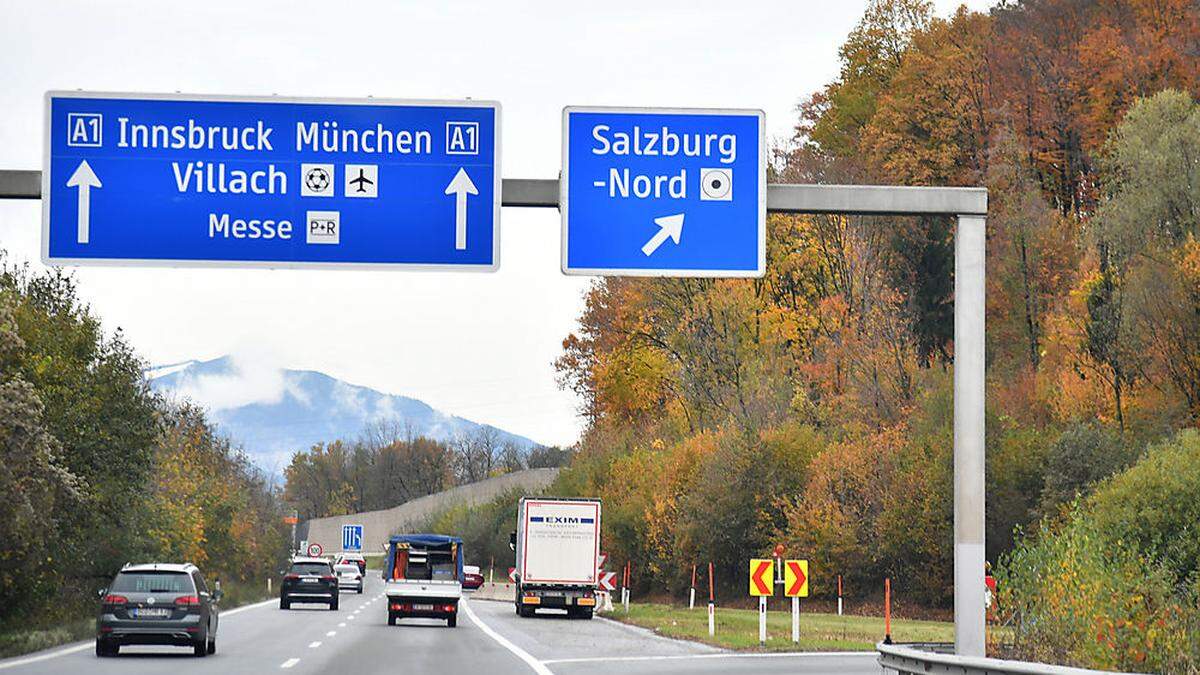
[309,580]
[158,604]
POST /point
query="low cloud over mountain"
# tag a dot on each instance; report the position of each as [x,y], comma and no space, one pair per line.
[273,412]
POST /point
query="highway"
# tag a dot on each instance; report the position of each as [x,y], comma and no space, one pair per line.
[489,639]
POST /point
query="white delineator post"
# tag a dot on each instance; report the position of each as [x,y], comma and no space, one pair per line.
[692,590]
[969,477]
[762,619]
[795,619]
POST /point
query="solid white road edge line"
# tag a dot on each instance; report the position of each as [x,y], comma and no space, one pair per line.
[537,666]
[723,655]
[89,643]
[289,663]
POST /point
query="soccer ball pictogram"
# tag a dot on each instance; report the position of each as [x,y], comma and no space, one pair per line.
[317,180]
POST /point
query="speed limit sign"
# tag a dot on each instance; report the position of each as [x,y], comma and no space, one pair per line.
[315,550]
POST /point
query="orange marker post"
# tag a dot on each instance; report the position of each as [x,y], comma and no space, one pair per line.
[712,624]
[887,611]
[625,588]
[839,595]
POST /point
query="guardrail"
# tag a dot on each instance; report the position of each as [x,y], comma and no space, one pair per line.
[910,660]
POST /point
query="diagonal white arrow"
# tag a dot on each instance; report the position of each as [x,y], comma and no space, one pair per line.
[461,186]
[85,179]
[669,226]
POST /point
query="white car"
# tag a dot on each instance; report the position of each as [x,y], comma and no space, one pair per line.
[348,576]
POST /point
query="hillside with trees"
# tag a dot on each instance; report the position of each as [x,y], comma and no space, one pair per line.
[97,470]
[390,465]
[813,406]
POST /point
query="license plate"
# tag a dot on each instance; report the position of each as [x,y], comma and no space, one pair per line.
[310,581]
[423,608]
[151,612]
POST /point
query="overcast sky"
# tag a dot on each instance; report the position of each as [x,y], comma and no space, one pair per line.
[476,345]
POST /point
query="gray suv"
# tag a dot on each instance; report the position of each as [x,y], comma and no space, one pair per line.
[158,604]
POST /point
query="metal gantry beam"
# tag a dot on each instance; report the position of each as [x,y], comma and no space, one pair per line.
[781,197]
[969,205]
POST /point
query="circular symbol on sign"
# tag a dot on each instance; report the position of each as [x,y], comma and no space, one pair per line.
[716,185]
[314,549]
[317,179]
[150,600]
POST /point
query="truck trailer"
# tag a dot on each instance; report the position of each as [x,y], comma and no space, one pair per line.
[557,546]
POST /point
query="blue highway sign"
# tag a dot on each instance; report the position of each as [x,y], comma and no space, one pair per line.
[352,536]
[663,192]
[270,181]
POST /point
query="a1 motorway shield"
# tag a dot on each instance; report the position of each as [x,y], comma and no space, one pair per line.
[272,181]
[663,192]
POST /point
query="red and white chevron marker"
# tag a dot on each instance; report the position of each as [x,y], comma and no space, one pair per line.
[607,581]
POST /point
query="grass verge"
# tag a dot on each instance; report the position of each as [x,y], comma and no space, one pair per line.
[738,628]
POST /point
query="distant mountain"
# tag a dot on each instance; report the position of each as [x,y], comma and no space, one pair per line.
[274,412]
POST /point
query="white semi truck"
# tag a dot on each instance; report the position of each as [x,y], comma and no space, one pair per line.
[557,543]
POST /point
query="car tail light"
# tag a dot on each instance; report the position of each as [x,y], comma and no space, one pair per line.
[187,600]
[448,608]
[327,577]
[111,599]
[291,577]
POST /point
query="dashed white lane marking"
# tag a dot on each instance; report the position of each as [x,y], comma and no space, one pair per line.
[342,624]
[331,633]
[537,666]
[289,663]
[351,617]
[89,643]
[314,644]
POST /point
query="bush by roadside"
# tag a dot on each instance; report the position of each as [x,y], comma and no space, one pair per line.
[1115,584]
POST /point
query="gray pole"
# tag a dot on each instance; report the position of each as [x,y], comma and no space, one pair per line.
[969,294]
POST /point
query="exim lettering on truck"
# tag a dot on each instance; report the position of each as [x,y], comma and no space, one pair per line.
[557,543]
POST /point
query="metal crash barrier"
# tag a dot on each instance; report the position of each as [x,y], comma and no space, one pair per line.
[909,659]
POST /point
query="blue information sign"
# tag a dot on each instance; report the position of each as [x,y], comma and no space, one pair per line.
[664,192]
[352,536]
[270,181]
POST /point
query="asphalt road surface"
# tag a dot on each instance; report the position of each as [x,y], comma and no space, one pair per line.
[490,639]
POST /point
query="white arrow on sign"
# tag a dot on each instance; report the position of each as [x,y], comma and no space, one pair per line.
[461,186]
[669,226]
[85,179]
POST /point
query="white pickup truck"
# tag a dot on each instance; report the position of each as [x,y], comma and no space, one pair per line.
[423,576]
